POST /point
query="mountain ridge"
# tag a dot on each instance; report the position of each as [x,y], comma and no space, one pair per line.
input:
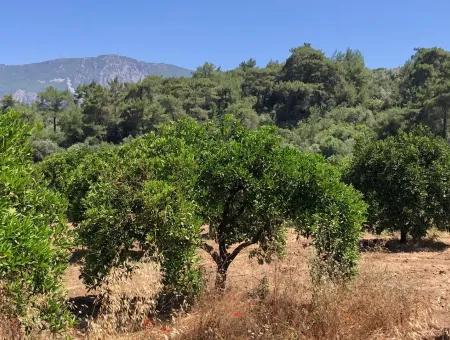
[24,81]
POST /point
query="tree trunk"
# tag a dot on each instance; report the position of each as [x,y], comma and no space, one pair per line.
[221,278]
[403,236]
[54,124]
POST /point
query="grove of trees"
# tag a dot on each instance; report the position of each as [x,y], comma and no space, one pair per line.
[219,162]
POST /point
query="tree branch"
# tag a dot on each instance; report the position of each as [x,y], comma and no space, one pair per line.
[238,249]
[244,245]
[210,250]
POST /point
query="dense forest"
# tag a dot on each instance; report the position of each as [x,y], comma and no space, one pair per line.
[223,162]
[319,103]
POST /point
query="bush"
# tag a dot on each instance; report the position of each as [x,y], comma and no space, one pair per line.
[151,195]
[34,241]
[72,172]
[58,169]
[406,180]
[43,148]
[141,206]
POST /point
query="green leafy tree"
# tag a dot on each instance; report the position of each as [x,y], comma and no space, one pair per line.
[71,123]
[6,103]
[295,101]
[426,86]
[248,64]
[94,104]
[34,241]
[53,101]
[308,79]
[251,188]
[351,64]
[405,179]
[259,83]
[243,183]
[205,71]
[146,199]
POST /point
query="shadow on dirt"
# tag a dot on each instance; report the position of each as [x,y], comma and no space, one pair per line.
[77,256]
[83,308]
[395,246]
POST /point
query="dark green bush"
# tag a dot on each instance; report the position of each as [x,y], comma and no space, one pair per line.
[406,180]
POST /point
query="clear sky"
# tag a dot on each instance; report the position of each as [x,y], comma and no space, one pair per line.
[190,32]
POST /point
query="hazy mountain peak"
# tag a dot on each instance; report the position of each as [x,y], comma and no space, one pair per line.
[24,81]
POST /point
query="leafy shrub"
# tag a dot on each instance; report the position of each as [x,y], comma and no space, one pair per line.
[43,148]
[405,178]
[142,206]
[33,235]
[71,173]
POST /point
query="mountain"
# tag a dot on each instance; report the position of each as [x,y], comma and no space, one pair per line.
[25,81]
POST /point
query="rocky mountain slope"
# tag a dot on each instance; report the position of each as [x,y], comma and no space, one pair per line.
[25,81]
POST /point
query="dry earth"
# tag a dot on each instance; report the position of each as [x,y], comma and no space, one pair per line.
[424,266]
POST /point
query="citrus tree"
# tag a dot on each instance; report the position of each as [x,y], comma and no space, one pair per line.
[405,179]
[153,194]
[251,187]
[143,206]
[34,241]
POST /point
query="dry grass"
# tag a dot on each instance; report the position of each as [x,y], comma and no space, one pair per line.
[126,300]
[374,306]
[10,328]
[398,294]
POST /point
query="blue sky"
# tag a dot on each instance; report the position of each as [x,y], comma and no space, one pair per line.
[190,32]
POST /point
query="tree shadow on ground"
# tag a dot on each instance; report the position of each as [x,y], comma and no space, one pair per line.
[84,307]
[395,246]
[77,256]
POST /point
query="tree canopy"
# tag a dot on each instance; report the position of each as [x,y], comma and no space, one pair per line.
[405,180]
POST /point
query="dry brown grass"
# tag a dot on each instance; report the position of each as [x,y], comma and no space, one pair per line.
[10,328]
[374,306]
[126,301]
[390,298]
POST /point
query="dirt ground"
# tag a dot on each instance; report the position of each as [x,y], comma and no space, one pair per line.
[424,266]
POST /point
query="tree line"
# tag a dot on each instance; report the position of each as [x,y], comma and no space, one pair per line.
[319,103]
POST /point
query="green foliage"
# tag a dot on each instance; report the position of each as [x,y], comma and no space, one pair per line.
[144,202]
[405,180]
[306,90]
[34,241]
[251,188]
[51,101]
[335,133]
[43,148]
[244,184]
[426,86]
[6,103]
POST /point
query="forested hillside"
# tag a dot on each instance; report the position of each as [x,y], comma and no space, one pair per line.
[319,103]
